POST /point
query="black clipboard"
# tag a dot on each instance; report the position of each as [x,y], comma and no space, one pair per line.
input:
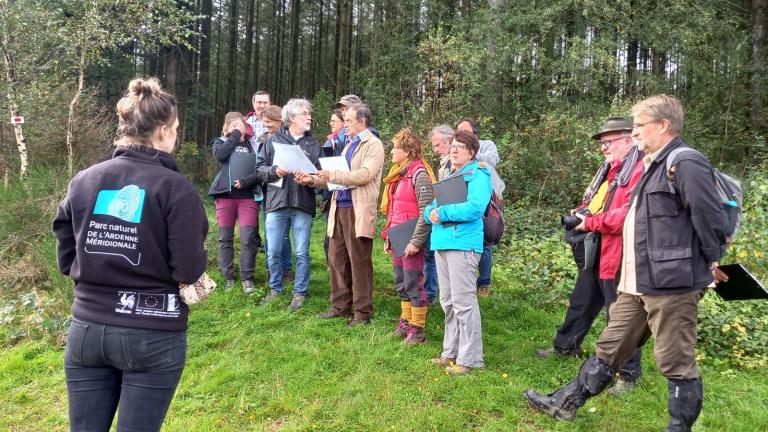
[452,190]
[400,235]
[741,285]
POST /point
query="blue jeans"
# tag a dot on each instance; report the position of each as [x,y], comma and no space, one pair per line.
[134,370]
[485,266]
[275,227]
[430,273]
[287,258]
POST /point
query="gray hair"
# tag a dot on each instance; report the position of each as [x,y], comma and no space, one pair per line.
[362,113]
[444,130]
[293,108]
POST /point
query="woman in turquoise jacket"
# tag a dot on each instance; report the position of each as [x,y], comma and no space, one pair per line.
[458,248]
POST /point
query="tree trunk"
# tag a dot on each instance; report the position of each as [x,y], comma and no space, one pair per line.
[257,63]
[629,85]
[247,88]
[203,87]
[318,62]
[232,60]
[659,64]
[758,64]
[295,12]
[73,110]
[280,52]
[336,47]
[344,27]
[217,106]
[18,130]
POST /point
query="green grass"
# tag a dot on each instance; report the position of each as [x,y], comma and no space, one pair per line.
[262,368]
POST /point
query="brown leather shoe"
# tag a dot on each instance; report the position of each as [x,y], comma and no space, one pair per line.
[331,314]
[358,321]
[458,369]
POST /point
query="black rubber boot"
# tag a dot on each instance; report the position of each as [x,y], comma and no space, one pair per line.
[594,377]
[685,400]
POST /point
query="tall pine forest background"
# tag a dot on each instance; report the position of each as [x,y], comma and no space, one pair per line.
[540,76]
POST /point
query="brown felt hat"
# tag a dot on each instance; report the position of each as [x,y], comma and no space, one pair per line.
[614,124]
[348,100]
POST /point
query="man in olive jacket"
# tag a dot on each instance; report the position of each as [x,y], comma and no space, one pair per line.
[352,218]
[674,236]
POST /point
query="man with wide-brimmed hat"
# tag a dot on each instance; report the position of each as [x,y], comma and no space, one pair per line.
[602,213]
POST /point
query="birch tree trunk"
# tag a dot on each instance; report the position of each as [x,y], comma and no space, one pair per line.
[73,111]
[18,130]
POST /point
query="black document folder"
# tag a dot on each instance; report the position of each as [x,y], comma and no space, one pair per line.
[400,235]
[452,190]
[741,285]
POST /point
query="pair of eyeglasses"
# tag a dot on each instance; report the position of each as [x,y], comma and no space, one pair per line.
[457,147]
[642,125]
[608,143]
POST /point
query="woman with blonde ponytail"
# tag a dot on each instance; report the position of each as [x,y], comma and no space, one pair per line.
[129,231]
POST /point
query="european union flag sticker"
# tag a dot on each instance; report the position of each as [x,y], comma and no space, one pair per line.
[125,204]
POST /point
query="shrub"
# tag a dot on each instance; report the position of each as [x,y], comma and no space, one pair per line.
[737,332]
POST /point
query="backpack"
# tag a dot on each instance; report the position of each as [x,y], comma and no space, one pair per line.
[728,190]
[493,220]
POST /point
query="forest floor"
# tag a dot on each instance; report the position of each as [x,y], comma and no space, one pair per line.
[263,368]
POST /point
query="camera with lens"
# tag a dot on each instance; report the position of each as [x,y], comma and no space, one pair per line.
[570,222]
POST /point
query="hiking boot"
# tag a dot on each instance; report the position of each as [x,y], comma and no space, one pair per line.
[621,386]
[297,302]
[554,352]
[402,329]
[248,286]
[458,369]
[358,322]
[416,336]
[484,291]
[228,285]
[443,361]
[331,314]
[269,297]
[288,276]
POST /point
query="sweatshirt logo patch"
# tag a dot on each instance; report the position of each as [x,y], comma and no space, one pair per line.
[126,203]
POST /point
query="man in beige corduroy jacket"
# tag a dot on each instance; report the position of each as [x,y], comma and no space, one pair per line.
[352,219]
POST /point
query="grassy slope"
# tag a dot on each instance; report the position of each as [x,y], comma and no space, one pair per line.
[261,368]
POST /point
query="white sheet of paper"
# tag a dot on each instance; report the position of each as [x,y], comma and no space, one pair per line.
[292,158]
[335,163]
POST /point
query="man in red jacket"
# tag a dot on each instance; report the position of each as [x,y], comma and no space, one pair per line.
[607,199]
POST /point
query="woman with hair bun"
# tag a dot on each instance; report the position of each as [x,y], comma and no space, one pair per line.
[129,232]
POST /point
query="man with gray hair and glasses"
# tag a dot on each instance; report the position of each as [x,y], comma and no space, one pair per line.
[289,200]
[674,236]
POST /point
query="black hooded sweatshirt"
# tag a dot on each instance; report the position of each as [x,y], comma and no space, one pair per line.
[128,232]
